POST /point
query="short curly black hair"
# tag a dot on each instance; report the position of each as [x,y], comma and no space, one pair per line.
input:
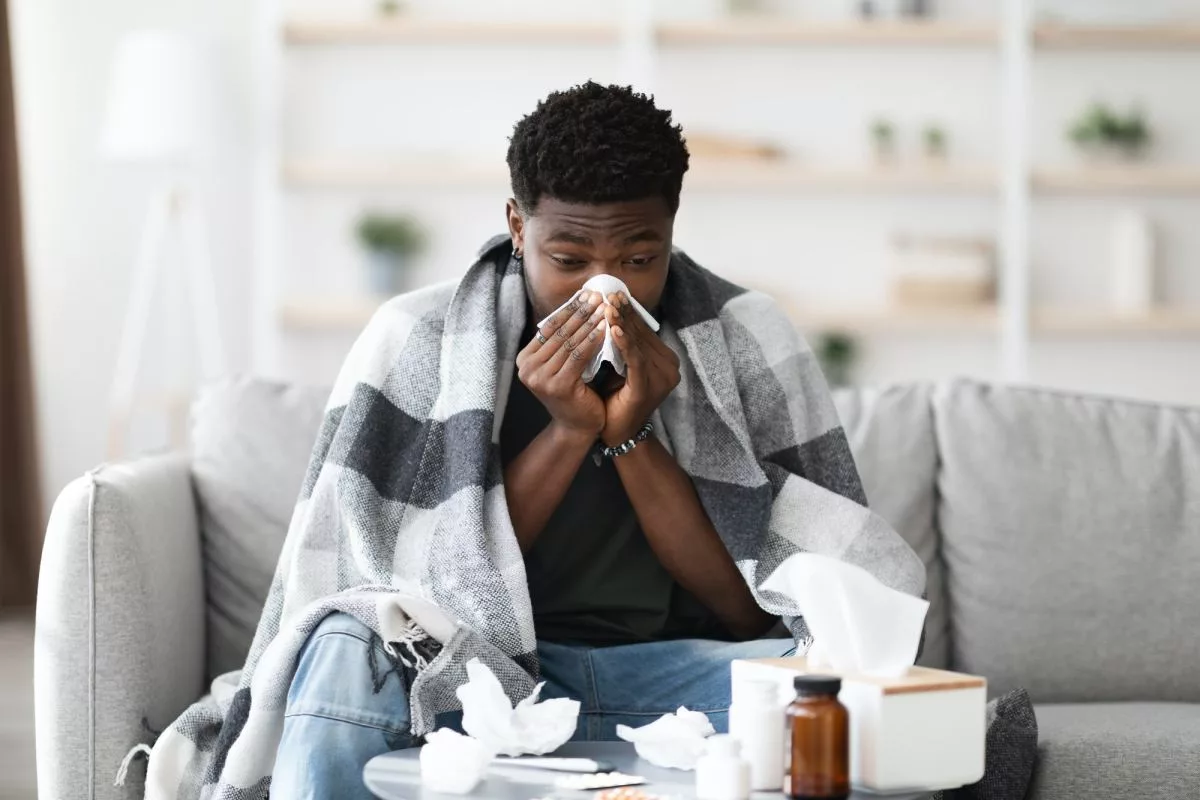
[597,144]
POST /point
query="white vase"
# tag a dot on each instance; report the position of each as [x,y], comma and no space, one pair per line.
[1133,257]
[387,272]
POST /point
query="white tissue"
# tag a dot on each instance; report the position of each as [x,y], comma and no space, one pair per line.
[530,728]
[453,763]
[606,285]
[858,624]
[675,741]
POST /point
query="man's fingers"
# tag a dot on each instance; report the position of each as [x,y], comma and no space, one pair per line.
[581,345]
[563,325]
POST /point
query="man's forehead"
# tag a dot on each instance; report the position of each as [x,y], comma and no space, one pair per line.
[582,223]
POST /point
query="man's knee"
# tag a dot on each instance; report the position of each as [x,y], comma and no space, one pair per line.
[344,674]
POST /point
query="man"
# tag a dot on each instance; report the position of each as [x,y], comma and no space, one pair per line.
[471,496]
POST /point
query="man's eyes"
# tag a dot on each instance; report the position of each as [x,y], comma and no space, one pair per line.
[572,262]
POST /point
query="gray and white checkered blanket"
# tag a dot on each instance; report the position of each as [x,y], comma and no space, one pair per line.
[402,519]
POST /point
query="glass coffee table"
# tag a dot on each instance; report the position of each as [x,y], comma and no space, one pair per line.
[397,776]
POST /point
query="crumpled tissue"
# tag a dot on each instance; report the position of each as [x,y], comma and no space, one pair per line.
[530,728]
[858,624]
[675,741]
[606,285]
[453,763]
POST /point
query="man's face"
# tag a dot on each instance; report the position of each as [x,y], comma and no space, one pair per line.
[565,244]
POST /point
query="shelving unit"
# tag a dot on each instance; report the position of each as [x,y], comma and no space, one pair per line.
[1065,322]
[1014,182]
[1142,179]
[767,30]
[1078,37]
[411,31]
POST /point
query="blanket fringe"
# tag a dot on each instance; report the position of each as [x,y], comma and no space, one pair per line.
[412,635]
[123,772]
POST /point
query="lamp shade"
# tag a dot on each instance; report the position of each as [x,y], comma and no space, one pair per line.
[161,99]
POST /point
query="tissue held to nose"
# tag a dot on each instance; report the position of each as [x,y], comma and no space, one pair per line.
[530,728]
[674,740]
[857,623]
[606,285]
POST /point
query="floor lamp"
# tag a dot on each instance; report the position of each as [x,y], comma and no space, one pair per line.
[161,106]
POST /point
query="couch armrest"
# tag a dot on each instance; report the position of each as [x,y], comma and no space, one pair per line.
[120,623]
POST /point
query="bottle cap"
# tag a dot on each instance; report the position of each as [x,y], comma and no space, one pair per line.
[817,684]
[722,744]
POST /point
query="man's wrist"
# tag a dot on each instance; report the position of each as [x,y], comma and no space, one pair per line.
[575,438]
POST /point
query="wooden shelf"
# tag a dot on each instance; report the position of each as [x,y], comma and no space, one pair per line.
[349,314]
[1100,323]
[1110,37]
[704,175]
[410,30]
[1119,179]
[895,320]
[432,171]
[773,30]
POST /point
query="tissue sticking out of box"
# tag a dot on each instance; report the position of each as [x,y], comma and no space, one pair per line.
[858,624]
[453,763]
[530,728]
[675,741]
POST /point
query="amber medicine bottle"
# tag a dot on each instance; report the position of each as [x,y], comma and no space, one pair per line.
[817,734]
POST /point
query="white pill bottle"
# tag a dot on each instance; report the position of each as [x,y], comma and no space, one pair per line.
[721,773]
[756,720]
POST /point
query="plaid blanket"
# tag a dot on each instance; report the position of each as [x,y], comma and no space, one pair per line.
[402,519]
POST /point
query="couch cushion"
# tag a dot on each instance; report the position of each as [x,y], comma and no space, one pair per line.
[1143,750]
[251,441]
[1071,536]
[891,435]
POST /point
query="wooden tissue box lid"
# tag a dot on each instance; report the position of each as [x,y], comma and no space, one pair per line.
[917,679]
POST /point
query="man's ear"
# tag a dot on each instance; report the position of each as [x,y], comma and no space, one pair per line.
[516,225]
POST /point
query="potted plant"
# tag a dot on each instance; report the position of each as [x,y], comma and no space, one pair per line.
[389,8]
[934,137]
[391,242]
[836,353]
[1102,132]
[883,141]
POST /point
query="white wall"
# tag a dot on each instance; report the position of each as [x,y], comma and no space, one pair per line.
[83,215]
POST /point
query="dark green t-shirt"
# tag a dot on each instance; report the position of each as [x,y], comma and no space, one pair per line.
[593,578]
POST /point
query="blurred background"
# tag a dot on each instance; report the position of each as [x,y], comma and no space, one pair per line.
[1004,189]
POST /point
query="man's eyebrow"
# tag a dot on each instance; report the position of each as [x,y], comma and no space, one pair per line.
[647,235]
[569,238]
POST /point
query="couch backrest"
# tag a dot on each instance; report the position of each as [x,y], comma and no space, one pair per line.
[891,435]
[1071,537]
[251,441]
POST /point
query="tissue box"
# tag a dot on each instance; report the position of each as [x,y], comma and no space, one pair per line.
[922,731]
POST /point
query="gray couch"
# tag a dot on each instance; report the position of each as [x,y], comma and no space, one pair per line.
[1061,534]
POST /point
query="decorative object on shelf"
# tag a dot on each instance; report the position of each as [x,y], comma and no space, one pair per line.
[935,140]
[1133,262]
[867,9]
[1102,132]
[837,353]
[720,146]
[917,9]
[942,271]
[390,8]
[883,141]
[747,6]
[391,243]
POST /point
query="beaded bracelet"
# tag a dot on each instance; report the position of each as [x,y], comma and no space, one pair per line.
[622,449]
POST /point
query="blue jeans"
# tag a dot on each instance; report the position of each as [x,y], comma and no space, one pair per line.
[345,708]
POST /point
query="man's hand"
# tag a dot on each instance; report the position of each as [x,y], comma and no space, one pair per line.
[651,372]
[553,369]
